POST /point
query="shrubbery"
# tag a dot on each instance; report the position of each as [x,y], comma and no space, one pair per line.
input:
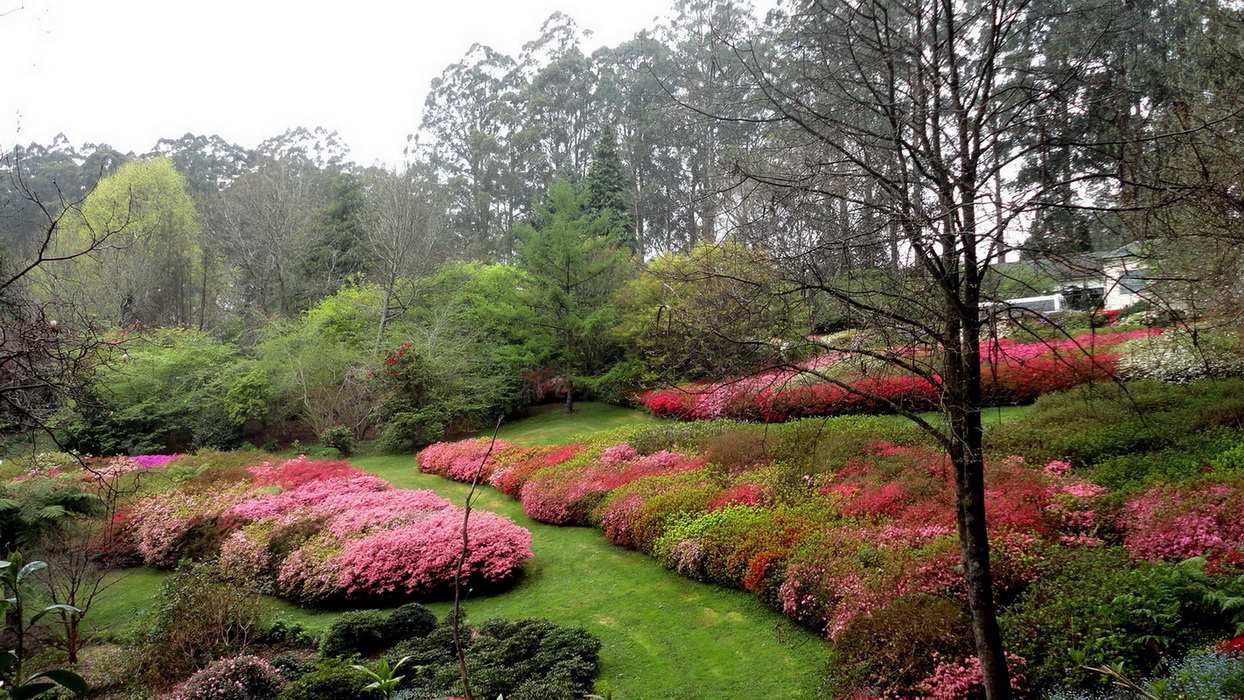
[237,678]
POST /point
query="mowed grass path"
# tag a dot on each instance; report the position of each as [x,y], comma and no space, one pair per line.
[663,636]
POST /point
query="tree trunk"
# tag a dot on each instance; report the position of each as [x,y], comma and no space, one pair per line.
[962,379]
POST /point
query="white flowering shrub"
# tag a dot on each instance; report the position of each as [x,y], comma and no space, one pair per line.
[1173,356]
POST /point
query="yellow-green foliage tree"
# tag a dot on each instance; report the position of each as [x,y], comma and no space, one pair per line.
[150,269]
[710,313]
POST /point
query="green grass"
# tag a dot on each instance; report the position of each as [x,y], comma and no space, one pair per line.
[551,425]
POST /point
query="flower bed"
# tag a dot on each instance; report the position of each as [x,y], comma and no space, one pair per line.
[319,531]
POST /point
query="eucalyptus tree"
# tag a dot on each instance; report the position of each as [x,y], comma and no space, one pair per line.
[469,120]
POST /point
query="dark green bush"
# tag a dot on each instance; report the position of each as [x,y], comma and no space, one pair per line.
[516,658]
[1100,604]
[331,680]
[356,633]
[410,621]
[1094,424]
[217,431]
[339,438]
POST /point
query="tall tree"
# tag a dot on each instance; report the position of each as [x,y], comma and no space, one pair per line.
[574,267]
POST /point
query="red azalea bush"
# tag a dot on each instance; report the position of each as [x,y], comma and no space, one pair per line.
[1178,522]
[1013,372]
[462,460]
[299,471]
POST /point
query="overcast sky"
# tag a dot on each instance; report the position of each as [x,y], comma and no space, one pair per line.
[129,72]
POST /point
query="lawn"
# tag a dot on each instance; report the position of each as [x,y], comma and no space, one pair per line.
[551,425]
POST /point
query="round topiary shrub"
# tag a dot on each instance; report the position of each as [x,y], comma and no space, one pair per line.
[238,678]
[359,632]
[410,621]
[332,680]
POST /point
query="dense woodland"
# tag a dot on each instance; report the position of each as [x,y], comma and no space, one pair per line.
[805,213]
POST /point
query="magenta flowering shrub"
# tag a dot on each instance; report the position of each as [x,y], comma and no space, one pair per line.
[1178,522]
[238,678]
[461,460]
[423,558]
[310,494]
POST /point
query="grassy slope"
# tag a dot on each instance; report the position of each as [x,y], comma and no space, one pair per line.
[551,425]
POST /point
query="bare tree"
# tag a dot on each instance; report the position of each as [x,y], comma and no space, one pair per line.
[408,233]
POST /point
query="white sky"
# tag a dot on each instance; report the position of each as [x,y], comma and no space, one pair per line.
[129,72]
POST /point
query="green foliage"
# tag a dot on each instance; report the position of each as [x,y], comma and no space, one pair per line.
[331,680]
[19,625]
[146,270]
[410,621]
[33,509]
[157,396]
[692,315]
[530,658]
[197,617]
[1096,607]
[573,266]
[1124,427]
[339,438]
[357,633]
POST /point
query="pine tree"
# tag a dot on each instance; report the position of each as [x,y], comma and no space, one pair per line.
[606,189]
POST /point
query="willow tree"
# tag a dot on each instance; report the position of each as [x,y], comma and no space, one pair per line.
[149,269]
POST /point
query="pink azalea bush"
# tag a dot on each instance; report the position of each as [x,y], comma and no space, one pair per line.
[963,679]
[460,461]
[1178,522]
[316,531]
[423,558]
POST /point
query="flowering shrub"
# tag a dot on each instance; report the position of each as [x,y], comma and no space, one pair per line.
[551,495]
[423,558]
[513,466]
[238,678]
[153,461]
[1013,372]
[1178,522]
[1176,356]
[300,471]
[461,460]
[963,680]
[162,525]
